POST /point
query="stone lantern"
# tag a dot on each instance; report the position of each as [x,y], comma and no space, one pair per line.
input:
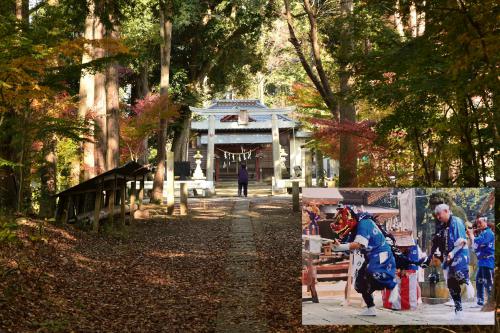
[198,173]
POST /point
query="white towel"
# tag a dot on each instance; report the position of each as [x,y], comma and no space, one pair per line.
[470,290]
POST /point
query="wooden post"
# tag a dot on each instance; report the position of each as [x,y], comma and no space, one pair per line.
[308,164]
[170,183]
[122,202]
[66,209]
[97,208]
[61,207]
[295,196]
[132,199]
[257,169]
[276,148]
[141,194]
[217,167]
[111,202]
[86,202]
[184,199]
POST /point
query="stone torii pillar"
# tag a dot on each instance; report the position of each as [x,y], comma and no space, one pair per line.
[276,147]
[210,147]
[308,164]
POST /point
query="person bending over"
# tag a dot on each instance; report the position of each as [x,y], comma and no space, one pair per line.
[379,268]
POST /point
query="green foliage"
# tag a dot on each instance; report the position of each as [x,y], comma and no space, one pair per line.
[67,152]
[436,85]
[7,229]
[4,162]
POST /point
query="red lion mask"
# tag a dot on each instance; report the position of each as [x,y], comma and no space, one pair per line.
[344,221]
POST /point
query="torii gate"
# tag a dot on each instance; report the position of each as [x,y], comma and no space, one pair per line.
[243,114]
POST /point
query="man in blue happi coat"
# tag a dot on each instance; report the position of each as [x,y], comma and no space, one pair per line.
[484,247]
[379,268]
[456,256]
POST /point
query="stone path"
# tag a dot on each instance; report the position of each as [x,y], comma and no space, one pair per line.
[241,294]
[331,311]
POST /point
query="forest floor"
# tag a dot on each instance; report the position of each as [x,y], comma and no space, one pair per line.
[231,265]
[159,274]
[164,273]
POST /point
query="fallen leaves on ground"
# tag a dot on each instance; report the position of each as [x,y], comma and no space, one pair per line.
[158,275]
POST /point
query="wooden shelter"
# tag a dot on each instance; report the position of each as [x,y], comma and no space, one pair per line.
[363,196]
[103,196]
[321,196]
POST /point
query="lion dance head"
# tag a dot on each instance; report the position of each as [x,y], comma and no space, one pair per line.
[344,221]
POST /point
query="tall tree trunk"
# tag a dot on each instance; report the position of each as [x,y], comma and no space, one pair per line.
[86,103]
[141,83]
[142,90]
[24,164]
[348,150]
[398,21]
[100,131]
[182,139]
[470,168]
[8,187]
[22,10]
[113,106]
[8,181]
[166,43]
[413,20]
[421,21]
[444,177]
[48,179]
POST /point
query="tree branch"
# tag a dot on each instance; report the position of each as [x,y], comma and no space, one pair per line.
[313,35]
[296,44]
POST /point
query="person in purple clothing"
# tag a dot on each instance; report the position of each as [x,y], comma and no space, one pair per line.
[243,180]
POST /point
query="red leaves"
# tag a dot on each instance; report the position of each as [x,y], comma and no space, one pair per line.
[329,132]
[144,122]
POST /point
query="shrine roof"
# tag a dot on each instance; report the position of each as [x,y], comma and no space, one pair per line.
[237,103]
[226,113]
[229,106]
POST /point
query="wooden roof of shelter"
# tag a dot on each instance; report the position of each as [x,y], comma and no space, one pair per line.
[128,171]
[381,212]
[321,196]
[363,196]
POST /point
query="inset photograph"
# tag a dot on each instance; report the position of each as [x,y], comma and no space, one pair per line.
[398,256]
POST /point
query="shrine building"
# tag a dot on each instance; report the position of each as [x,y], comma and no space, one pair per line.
[230,132]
